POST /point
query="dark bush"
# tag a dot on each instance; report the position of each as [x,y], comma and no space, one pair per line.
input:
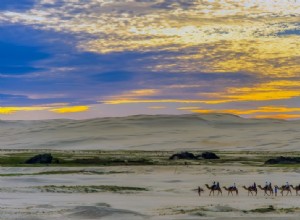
[183,155]
[283,160]
[40,158]
[209,155]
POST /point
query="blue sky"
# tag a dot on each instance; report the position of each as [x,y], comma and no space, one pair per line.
[83,59]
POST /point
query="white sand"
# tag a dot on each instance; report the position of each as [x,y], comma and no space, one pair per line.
[208,131]
[171,190]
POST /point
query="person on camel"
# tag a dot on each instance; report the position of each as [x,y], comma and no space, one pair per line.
[266,185]
[233,186]
[287,185]
[214,185]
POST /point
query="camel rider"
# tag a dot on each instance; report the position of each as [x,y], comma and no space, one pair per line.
[266,185]
[233,186]
[218,185]
[254,185]
[270,185]
[214,184]
[287,185]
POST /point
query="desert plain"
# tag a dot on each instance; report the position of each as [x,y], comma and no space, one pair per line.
[119,168]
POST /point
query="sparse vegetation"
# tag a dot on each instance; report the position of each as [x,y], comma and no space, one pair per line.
[271,208]
[63,172]
[89,189]
[264,210]
[129,158]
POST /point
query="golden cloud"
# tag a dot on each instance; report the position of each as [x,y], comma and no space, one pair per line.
[280,112]
[70,109]
[274,90]
[53,108]
[11,109]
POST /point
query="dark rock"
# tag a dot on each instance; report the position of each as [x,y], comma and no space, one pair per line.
[183,155]
[209,155]
[40,158]
[283,160]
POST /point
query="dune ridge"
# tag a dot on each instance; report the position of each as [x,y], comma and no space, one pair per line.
[153,132]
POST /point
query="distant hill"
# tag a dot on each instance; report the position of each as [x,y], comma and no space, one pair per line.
[153,132]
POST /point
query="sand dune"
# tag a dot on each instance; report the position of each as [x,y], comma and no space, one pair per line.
[160,132]
[170,194]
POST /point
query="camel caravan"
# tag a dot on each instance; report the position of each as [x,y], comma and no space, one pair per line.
[252,189]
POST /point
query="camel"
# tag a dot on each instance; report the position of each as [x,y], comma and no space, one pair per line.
[231,189]
[200,190]
[251,189]
[297,188]
[266,189]
[213,189]
[286,188]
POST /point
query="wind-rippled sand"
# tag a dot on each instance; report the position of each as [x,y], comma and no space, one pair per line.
[170,194]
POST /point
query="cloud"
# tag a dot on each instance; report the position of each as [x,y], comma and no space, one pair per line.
[274,90]
[70,109]
[280,112]
[59,108]
[12,110]
[244,34]
[262,109]
[218,53]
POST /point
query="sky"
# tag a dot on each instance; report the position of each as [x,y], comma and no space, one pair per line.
[97,58]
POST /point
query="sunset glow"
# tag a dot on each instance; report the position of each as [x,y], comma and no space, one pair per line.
[200,56]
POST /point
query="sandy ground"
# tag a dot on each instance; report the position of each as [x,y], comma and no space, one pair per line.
[171,194]
[197,132]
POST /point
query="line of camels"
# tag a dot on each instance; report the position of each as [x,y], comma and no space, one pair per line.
[268,189]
